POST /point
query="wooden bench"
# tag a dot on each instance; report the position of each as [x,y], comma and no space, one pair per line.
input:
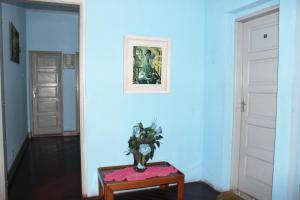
[107,188]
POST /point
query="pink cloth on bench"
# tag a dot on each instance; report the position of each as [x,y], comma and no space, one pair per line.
[129,174]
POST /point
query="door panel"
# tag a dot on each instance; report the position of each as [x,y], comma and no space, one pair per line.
[269,75]
[258,108]
[260,60]
[263,37]
[47,106]
[46,89]
[261,137]
[253,170]
[47,77]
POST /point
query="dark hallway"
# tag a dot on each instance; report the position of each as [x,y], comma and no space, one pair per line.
[50,169]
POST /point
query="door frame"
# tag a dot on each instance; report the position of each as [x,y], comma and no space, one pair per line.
[60,70]
[3,170]
[77,93]
[3,179]
[238,63]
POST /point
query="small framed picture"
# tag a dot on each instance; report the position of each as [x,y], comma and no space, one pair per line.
[69,61]
[146,65]
[14,44]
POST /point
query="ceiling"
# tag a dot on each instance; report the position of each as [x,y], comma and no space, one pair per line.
[34,4]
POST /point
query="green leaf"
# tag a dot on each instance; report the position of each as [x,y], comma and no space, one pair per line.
[141,126]
[151,154]
[159,137]
[158,144]
[147,157]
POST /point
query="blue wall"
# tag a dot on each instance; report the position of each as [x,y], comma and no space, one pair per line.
[219,84]
[110,114]
[286,172]
[56,31]
[14,83]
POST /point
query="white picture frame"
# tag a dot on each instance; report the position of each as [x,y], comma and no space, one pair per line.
[146,64]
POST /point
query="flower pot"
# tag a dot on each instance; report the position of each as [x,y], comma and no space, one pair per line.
[140,170]
[135,159]
[140,162]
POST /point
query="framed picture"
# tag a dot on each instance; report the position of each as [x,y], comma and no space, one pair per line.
[14,44]
[69,61]
[146,65]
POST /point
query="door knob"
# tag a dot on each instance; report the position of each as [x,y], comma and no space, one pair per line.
[34,92]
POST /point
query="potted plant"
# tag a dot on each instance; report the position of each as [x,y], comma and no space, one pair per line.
[143,143]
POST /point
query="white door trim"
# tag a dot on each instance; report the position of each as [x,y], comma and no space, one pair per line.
[84,180]
[3,174]
[238,62]
[237,117]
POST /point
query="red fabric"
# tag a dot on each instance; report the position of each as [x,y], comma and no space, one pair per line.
[130,175]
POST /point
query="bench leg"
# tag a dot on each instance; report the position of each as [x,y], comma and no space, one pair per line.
[109,194]
[180,189]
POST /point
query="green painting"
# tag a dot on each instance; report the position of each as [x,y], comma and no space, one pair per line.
[147,65]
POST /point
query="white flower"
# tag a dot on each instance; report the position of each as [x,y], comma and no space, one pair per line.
[136,131]
[153,125]
[140,166]
[158,130]
[144,149]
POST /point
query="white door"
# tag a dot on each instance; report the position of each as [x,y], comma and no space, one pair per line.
[46,93]
[259,92]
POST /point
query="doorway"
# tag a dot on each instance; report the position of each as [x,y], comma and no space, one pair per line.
[68,5]
[256,101]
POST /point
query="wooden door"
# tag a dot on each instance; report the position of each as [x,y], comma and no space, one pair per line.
[260,62]
[46,93]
